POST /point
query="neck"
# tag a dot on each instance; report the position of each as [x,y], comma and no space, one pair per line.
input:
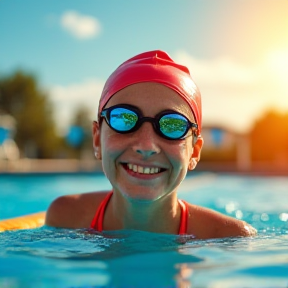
[162,215]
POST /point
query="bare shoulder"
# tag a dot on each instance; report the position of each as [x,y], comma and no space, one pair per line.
[205,223]
[74,211]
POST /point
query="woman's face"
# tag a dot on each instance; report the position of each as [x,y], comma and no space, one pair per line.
[142,165]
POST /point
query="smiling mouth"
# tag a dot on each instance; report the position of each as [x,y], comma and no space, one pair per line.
[143,170]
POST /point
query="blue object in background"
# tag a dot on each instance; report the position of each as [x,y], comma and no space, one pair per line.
[75,136]
[4,134]
[217,136]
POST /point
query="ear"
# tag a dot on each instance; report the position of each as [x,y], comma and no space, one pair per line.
[96,140]
[195,157]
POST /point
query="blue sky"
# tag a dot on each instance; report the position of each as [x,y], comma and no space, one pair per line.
[237,51]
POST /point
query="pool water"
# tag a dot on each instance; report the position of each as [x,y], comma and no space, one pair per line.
[49,257]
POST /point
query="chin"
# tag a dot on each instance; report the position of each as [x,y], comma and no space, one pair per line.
[144,198]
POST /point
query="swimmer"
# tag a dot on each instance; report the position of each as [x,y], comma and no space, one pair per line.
[147,135]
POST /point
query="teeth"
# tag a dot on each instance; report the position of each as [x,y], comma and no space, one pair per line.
[143,170]
[147,170]
[140,169]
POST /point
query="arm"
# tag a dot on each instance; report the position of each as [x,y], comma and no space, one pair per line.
[205,223]
[74,211]
[59,213]
[231,227]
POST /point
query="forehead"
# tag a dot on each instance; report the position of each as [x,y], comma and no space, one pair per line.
[151,98]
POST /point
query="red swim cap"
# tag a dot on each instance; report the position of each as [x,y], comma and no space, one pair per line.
[154,66]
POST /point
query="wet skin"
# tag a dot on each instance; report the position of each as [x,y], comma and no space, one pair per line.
[146,196]
[145,201]
[144,147]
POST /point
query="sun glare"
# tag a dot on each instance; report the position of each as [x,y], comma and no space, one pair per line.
[279,62]
[278,65]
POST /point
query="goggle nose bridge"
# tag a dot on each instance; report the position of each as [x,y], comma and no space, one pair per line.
[153,121]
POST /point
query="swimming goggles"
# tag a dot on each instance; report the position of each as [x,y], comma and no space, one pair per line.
[168,124]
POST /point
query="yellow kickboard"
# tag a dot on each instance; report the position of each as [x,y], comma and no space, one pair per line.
[24,222]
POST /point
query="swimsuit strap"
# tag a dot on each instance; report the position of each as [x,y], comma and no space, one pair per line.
[97,222]
[184,217]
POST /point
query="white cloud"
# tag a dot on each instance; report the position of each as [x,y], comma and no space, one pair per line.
[80,26]
[67,99]
[216,70]
[235,95]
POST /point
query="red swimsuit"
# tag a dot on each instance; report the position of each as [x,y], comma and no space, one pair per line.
[97,222]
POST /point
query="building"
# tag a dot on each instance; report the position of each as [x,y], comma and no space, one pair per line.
[224,150]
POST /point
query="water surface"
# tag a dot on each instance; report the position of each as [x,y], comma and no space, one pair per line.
[49,257]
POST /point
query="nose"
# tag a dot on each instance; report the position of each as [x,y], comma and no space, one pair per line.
[146,141]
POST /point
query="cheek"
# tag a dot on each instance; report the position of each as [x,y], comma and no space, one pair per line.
[110,152]
[112,145]
[178,153]
[187,149]
[182,154]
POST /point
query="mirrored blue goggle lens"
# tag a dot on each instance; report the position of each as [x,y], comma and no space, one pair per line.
[122,119]
[173,126]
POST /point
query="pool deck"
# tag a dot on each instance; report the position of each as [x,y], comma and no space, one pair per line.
[91,165]
[49,166]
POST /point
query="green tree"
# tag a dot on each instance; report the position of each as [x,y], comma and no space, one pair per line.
[21,97]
